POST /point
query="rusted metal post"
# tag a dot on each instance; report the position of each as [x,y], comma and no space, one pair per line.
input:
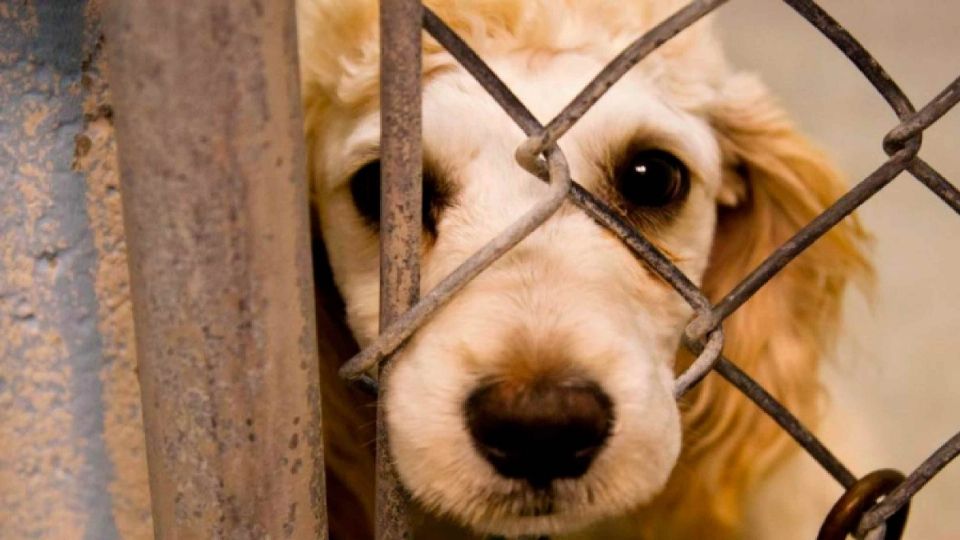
[400,208]
[209,131]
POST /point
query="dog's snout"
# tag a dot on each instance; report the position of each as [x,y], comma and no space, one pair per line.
[539,431]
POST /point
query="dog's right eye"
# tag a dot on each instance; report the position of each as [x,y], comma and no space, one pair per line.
[652,179]
[365,189]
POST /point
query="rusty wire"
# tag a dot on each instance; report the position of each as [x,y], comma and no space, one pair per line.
[902,494]
[541,156]
[843,517]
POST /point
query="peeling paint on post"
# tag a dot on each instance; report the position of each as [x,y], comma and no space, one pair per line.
[210,143]
[72,461]
[95,157]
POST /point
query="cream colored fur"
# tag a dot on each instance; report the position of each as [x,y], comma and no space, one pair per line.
[571,297]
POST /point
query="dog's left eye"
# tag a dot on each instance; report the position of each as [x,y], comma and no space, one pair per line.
[652,179]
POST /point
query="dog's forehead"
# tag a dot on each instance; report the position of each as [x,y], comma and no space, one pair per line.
[461,119]
[458,110]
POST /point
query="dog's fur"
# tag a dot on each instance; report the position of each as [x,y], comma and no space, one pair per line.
[570,298]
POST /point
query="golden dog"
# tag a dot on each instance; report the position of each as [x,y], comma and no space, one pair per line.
[539,400]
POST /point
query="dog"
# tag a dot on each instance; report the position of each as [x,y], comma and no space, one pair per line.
[539,400]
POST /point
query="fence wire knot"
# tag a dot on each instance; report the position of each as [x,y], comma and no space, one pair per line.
[850,508]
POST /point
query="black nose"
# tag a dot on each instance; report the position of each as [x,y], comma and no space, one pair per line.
[542,430]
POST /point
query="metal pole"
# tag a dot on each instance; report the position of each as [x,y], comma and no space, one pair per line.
[215,209]
[400,208]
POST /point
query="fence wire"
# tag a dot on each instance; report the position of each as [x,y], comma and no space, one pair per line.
[858,512]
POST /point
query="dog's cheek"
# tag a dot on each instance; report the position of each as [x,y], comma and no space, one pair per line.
[647,438]
[428,440]
[361,304]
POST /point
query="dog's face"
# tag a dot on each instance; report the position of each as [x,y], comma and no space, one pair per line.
[540,398]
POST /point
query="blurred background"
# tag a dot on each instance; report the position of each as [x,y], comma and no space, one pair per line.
[893,386]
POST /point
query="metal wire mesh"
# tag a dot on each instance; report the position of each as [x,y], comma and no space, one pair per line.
[541,156]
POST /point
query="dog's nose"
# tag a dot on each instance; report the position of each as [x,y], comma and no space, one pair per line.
[539,431]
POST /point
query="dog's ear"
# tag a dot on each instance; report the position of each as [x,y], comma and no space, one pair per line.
[775,182]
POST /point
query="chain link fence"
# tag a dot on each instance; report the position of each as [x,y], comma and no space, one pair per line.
[858,512]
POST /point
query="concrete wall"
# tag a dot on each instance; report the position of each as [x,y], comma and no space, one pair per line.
[72,461]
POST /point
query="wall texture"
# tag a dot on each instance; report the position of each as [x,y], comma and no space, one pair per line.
[72,461]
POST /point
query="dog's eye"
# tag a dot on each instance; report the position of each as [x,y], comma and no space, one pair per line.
[652,179]
[365,189]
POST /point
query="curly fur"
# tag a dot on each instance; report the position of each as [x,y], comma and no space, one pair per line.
[759,182]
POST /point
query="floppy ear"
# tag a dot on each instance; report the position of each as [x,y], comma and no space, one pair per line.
[775,182]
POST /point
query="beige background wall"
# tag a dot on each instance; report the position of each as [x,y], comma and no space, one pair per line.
[895,386]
